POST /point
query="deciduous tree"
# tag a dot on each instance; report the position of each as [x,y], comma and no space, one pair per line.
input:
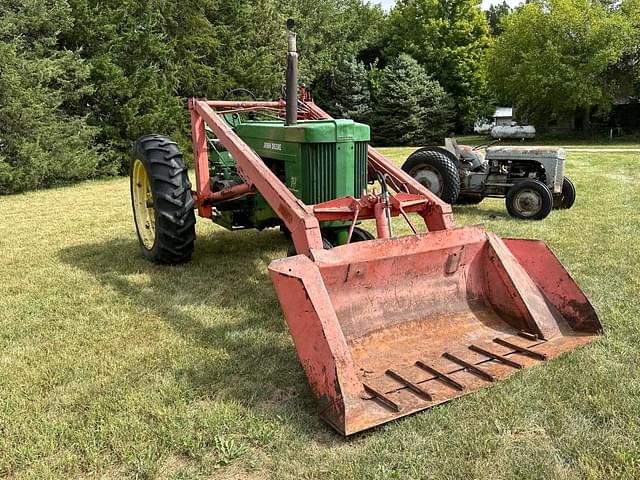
[554,56]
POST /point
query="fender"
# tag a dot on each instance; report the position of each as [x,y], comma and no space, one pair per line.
[442,150]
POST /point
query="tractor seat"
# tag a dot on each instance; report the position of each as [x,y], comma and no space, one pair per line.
[471,159]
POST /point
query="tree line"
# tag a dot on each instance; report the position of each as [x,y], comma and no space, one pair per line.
[81,79]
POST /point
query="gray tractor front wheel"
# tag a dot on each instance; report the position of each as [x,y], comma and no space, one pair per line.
[529,200]
[567,198]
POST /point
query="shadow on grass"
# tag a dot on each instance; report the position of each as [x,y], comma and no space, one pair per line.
[482,210]
[227,276]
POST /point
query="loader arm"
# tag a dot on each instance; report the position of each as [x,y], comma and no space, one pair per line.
[299,219]
[387,327]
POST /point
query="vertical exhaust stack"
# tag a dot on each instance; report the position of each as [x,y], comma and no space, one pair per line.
[292,75]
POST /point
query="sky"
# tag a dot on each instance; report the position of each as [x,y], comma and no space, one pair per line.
[387,4]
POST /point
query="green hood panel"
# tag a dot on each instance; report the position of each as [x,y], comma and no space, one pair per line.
[306,131]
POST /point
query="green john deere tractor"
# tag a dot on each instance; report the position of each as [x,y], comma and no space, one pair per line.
[385,327]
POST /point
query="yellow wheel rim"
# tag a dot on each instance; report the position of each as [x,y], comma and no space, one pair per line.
[143,210]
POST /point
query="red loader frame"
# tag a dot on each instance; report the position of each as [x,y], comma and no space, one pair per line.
[300,219]
[389,327]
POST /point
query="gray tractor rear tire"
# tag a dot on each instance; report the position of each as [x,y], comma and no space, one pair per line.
[435,171]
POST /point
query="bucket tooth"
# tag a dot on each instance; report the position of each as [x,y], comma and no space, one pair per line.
[476,370]
[371,320]
[415,388]
[521,349]
[441,376]
[382,398]
[528,336]
[495,356]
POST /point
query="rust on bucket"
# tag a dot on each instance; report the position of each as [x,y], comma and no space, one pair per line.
[388,327]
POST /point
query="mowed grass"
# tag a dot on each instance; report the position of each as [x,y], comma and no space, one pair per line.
[111,367]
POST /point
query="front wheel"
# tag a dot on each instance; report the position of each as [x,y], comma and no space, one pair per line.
[292,252]
[529,200]
[361,235]
[568,196]
[161,200]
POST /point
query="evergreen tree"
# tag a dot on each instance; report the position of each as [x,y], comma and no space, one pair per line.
[344,92]
[329,30]
[40,144]
[133,69]
[494,17]
[147,56]
[245,47]
[410,107]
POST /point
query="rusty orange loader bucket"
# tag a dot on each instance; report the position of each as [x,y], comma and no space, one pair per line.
[388,327]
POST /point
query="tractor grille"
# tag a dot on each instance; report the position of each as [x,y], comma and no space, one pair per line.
[319,172]
[360,168]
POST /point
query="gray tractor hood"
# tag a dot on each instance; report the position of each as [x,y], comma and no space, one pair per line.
[525,153]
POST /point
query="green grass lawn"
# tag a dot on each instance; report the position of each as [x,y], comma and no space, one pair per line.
[111,367]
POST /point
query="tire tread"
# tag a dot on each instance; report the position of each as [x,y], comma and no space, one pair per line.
[173,202]
[446,167]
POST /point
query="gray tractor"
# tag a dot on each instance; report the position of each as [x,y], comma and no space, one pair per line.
[531,179]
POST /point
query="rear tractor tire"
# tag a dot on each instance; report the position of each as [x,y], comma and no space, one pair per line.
[291,251]
[529,200]
[161,200]
[568,196]
[435,171]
